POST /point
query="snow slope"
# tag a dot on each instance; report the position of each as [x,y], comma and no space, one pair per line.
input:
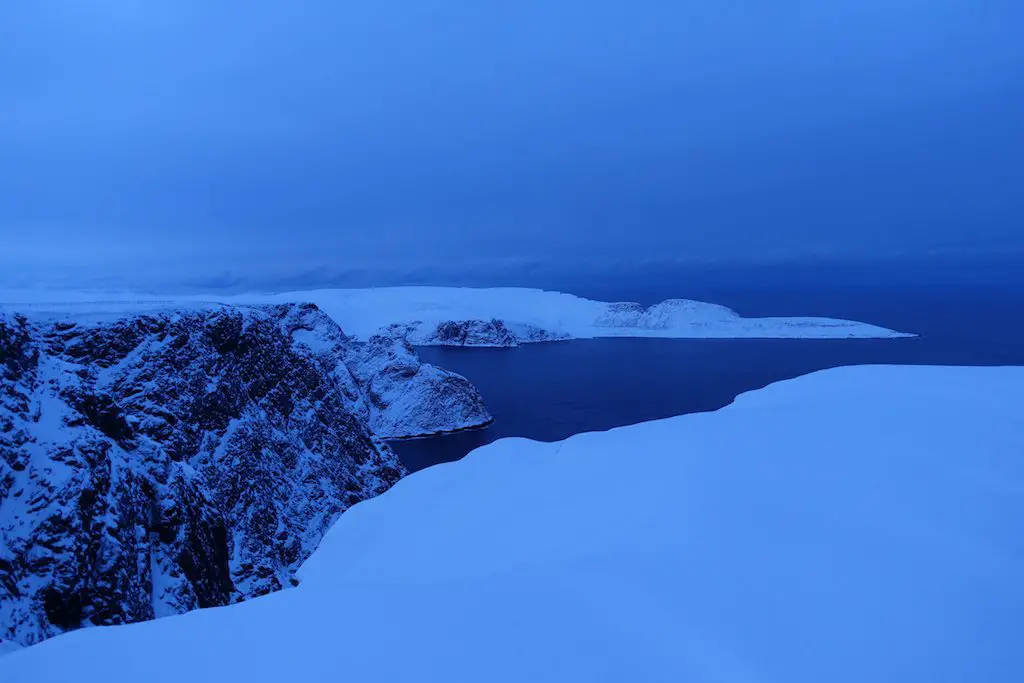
[530,314]
[859,524]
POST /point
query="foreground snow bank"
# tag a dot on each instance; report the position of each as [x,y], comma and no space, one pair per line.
[526,315]
[858,524]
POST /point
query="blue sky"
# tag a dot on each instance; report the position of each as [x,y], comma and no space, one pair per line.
[217,135]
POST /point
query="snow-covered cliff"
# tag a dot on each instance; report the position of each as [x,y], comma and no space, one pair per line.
[155,462]
[410,398]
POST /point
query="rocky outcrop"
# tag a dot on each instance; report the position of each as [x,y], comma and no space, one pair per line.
[410,398]
[474,333]
[669,314]
[161,462]
[477,333]
[621,314]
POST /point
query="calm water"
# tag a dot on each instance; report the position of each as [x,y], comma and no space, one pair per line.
[550,391]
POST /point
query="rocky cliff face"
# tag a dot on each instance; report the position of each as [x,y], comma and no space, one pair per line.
[161,462]
[410,398]
[478,333]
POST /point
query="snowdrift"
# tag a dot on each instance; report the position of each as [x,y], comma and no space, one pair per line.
[858,524]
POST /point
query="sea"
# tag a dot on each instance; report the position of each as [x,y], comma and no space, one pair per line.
[964,313]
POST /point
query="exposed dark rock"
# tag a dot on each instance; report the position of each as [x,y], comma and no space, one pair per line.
[486,333]
[474,333]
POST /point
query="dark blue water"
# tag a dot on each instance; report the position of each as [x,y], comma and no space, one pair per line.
[965,316]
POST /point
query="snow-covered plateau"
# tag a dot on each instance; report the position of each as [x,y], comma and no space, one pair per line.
[857,524]
[459,316]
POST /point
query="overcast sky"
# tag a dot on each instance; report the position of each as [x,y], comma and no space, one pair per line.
[212,134]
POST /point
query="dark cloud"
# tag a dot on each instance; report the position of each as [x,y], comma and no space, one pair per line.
[212,136]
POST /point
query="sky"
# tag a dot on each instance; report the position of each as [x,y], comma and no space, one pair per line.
[212,136]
